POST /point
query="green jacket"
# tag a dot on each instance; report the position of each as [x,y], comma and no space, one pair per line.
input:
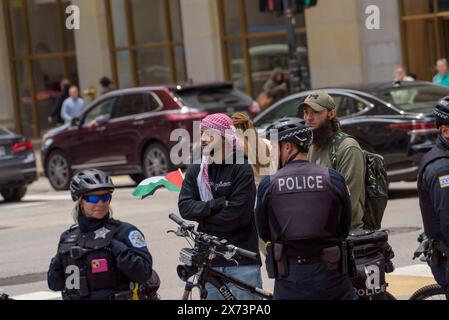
[351,164]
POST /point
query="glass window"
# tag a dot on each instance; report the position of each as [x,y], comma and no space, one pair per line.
[152,66]
[180,62]
[176,20]
[129,105]
[416,99]
[149,21]
[124,69]
[443,5]
[421,55]
[348,106]
[26,106]
[288,108]
[153,103]
[412,7]
[17,24]
[119,23]
[44,36]
[237,65]
[69,34]
[232,16]
[258,21]
[103,108]
[47,75]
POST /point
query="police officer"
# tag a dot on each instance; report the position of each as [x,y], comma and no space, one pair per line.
[304,213]
[100,257]
[433,190]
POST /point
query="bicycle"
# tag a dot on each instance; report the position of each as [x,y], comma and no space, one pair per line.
[196,263]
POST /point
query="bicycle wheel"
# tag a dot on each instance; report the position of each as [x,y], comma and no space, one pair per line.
[429,292]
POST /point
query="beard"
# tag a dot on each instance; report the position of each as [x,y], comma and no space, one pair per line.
[323,134]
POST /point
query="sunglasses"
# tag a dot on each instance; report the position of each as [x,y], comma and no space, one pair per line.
[95,198]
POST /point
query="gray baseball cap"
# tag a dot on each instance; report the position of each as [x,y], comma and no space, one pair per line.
[318,101]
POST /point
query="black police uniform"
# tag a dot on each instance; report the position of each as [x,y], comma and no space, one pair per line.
[433,189]
[307,210]
[109,255]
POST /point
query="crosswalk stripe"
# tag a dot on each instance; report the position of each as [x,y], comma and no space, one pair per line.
[39,295]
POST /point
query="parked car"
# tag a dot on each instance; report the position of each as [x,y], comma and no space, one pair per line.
[128,131]
[401,129]
[17,165]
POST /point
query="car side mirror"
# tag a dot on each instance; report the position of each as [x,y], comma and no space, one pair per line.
[100,120]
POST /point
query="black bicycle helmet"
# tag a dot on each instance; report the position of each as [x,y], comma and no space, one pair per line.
[89,180]
[441,112]
[293,130]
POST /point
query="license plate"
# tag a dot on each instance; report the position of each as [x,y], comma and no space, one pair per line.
[2,151]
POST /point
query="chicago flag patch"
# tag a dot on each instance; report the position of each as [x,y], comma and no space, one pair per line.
[444,181]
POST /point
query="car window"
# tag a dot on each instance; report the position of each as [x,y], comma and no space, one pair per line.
[153,103]
[103,108]
[415,99]
[210,98]
[286,109]
[3,132]
[129,105]
[347,106]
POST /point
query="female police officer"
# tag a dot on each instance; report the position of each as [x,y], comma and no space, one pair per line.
[99,257]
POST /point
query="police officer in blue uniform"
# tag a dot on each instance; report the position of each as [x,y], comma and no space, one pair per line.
[304,213]
[433,190]
[99,257]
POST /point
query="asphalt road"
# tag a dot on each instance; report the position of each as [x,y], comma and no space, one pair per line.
[29,232]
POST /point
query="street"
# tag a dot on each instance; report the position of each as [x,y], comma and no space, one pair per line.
[29,233]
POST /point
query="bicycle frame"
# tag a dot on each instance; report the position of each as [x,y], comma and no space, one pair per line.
[218,280]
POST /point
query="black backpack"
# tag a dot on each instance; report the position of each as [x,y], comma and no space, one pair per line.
[376,183]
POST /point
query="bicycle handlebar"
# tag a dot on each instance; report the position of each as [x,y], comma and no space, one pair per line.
[213,240]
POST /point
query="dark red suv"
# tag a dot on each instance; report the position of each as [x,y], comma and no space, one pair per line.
[128,131]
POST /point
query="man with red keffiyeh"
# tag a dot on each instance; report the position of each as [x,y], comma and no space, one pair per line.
[219,194]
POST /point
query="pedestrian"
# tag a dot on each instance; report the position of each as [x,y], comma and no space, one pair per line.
[433,191]
[106,85]
[55,116]
[219,194]
[73,106]
[256,148]
[400,75]
[442,77]
[318,111]
[274,89]
[106,255]
[304,216]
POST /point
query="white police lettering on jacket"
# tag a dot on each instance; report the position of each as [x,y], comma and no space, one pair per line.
[301,183]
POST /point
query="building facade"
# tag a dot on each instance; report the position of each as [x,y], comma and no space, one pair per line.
[151,42]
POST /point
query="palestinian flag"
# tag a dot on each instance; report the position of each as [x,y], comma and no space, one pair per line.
[172,182]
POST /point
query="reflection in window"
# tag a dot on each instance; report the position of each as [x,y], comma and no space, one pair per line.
[148,21]
[237,65]
[104,108]
[152,66]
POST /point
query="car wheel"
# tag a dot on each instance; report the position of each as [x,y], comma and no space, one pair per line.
[156,161]
[14,194]
[137,178]
[58,171]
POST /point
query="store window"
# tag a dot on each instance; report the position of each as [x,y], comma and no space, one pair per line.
[42,53]
[255,43]
[146,42]
[425,29]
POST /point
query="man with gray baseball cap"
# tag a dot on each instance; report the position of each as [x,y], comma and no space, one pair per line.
[332,148]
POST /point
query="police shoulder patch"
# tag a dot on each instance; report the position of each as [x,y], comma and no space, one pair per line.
[137,239]
[444,181]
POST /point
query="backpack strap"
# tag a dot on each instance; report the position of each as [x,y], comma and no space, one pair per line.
[335,144]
